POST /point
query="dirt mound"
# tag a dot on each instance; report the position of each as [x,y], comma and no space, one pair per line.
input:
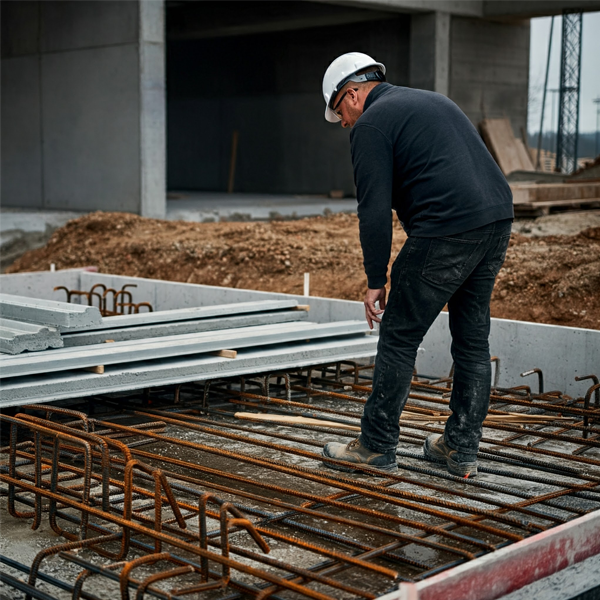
[550,280]
[269,256]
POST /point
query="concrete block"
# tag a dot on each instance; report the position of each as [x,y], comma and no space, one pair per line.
[91,129]
[21,138]
[84,24]
[17,336]
[48,312]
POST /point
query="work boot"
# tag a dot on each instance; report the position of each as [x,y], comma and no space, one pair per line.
[458,463]
[355,452]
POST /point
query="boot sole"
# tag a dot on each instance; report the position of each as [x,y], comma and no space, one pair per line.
[384,470]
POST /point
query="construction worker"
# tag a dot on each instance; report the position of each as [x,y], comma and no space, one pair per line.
[417,153]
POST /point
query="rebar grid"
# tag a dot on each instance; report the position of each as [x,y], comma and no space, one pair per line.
[176,485]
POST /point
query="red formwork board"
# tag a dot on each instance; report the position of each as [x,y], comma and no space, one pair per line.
[508,569]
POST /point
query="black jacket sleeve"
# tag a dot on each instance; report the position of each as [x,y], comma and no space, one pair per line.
[373,162]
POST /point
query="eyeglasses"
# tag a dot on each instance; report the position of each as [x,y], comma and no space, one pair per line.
[335,108]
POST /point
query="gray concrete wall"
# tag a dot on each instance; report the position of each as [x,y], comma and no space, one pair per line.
[267,87]
[83,105]
[489,69]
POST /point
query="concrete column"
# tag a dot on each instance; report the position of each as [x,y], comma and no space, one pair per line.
[430,52]
[83,115]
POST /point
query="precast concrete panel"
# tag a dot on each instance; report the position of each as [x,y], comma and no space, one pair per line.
[77,24]
[91,129]
[489,74]
[21,149]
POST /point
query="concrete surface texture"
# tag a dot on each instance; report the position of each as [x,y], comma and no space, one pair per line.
[83,105]
[17,336]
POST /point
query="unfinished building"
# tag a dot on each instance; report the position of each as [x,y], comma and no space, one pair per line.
[101,109]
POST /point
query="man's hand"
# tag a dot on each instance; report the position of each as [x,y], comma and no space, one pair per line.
[371,313]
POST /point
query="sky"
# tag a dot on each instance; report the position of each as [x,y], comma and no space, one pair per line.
[590,72]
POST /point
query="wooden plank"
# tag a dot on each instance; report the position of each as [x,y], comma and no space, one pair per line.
[524,193]
[225,353]
[558,203]
[509,152]
[99,370]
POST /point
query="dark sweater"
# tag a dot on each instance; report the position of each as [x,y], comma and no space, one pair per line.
[417,152]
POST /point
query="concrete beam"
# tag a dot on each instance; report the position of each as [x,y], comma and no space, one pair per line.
[430,52]
[17,336]
[528,9]
[180,328]
[58,386]
[172,346]
[194,312]
[49,312]
[189,20]
[467,8]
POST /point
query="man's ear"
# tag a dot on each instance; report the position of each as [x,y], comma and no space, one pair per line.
[353,94]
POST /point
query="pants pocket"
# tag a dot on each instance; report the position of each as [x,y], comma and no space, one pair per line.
[447,259]
[497,259]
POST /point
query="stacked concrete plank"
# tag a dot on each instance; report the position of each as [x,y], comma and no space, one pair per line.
[72,357]
[64,359]
[31,324]
[49,312]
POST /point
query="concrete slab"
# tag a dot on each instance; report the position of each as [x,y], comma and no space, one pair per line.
[220,206]
[16,337]
[49,312]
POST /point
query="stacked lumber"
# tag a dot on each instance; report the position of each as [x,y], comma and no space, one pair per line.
[539,198]
[508,151]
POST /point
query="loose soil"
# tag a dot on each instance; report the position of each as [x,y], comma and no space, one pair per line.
[553,279]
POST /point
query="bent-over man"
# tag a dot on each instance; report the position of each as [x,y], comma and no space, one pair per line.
[417,153]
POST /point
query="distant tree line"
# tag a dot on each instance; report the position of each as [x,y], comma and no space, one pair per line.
[587,146]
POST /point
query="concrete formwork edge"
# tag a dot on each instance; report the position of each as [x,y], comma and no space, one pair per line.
[508,569]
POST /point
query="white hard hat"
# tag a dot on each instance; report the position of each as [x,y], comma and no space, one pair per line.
[342,70]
